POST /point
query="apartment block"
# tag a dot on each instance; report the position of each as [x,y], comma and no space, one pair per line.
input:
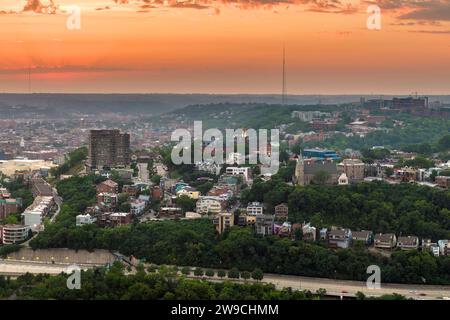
[209,205]
[34,214]
[223,220]
[14,233]
[264,224]
[108,148]
[239,171]
[255,208]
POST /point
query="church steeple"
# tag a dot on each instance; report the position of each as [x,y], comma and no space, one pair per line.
[299,171]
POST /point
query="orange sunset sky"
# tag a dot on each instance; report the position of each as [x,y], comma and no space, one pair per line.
[228,46]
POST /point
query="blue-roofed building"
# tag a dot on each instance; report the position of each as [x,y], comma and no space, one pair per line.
[321,154]
[179,186]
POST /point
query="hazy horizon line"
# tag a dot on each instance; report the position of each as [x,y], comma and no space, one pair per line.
[229,94]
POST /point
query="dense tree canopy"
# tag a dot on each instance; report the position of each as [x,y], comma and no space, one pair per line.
[19,190]
[112,284]
[377,206]
[380,207]
[73,159]
[418,134]
[194,243]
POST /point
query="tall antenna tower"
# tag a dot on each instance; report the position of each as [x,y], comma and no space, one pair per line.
[29,79]
[283,90]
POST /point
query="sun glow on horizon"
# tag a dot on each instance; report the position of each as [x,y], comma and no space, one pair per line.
[221,47]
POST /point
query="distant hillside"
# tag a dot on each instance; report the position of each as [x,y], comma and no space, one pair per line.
[246,115]
[143,103]
[63,105]
[66,104]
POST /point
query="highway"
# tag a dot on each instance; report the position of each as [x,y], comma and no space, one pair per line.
[350,288]
[344,288]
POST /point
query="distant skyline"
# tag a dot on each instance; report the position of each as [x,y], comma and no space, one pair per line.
[225,47]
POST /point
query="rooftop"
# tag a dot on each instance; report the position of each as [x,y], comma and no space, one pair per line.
[408,240]
[110,183]
[384,237]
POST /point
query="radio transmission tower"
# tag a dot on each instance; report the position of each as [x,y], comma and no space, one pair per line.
[29,79]
[283,90]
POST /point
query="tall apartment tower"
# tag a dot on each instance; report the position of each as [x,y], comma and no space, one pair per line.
[108,148]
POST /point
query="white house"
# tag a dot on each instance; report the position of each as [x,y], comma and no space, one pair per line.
[34,214]
[189,192]
[137,207]
[435,250]
[33,219]
[442,246]
[83,219]
[144,198]
[239,171]
[343,179]
[209,205]
[255,208]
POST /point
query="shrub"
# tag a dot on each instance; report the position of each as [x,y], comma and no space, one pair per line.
[257,274]
[221,273]
[245,275]
[233,273]
[198,272]
[186,271]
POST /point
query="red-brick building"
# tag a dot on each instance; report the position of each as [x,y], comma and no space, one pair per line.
[443,181]
[157,192]
[108,186]
[8,206]
[132,191]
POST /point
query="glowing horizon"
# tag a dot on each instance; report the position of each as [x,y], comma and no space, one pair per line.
[228,46]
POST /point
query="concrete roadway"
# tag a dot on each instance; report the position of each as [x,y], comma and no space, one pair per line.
[350,288]
[333,287]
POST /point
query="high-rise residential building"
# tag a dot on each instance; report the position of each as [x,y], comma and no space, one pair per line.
[108,148]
